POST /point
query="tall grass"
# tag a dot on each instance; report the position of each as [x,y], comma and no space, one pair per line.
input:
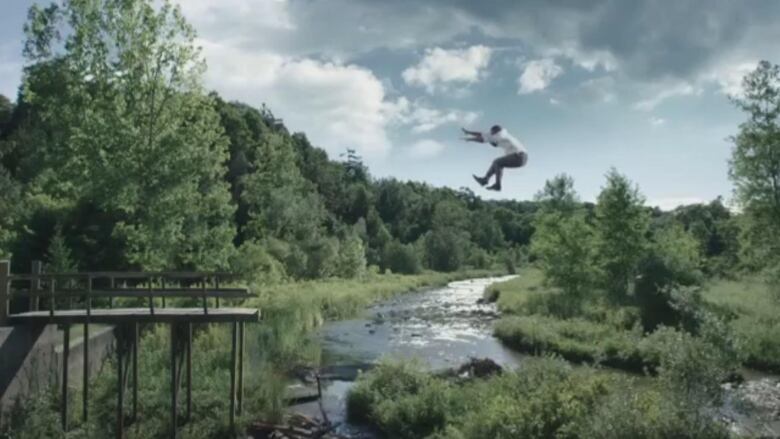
[753,311]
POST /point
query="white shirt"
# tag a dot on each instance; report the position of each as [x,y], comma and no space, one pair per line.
[504,140]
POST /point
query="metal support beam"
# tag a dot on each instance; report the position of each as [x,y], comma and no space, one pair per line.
[240,367]
[233,331]
[120,407]
[5,286]
[174,390]
[65,355]
[189,372]
[37,268]
[85,350]
[85,382]
[135,372]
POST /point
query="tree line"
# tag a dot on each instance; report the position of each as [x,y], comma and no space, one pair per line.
[114,156]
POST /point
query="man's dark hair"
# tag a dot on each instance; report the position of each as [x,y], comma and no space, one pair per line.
[495,129]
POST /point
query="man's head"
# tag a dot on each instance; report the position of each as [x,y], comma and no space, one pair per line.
[495,129]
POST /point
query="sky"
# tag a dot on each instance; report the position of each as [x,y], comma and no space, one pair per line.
[586,85]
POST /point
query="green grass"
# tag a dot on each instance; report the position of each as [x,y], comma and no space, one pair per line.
[540,319]
[754,317]
[546,398]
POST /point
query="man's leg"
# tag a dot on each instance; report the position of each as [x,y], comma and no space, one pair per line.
[508,161]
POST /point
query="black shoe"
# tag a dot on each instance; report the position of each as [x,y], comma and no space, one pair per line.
[481,180]
[496,187]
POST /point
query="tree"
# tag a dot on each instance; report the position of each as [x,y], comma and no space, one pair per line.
[622,225]
[58,257]
[558,194]
[444,249]
[351,258]
[755,162]
[563,245]
[136,135]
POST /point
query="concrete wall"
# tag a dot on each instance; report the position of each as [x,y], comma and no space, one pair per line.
[31,358]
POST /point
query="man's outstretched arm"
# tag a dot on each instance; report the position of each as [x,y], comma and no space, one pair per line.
[475,136]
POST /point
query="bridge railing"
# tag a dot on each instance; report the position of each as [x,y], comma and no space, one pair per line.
[39,288]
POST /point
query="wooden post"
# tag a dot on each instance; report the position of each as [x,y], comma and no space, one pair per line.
[240,367]
[52,287]
[174,390]
[233,378]
[151,299]
[112,285]
[135,372]
[120,408]
[85,350]
[5,287]
[37,269]
[205,298]
[65,355]
[189,372]
[216,286]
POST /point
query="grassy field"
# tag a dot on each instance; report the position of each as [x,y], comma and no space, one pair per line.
[753,312]
[540,319]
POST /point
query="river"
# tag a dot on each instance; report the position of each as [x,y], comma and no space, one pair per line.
[445,326]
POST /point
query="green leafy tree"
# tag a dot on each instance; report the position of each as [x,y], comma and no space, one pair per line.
[135,134]
[622,225]
[559,195]
[755,163]
[564,247]
[352,257]
[445,249]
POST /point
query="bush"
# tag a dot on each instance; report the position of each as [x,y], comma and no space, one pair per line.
[256,266]
[401,258]
[444,249]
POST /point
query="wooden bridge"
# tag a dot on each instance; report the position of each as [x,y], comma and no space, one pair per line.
[51,298]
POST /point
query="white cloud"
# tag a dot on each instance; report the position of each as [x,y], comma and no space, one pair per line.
[423,118]
[426,148]
[728,77]
[657,121]
[600,89]
[441,68]
[338,106]
[666,92]
[554,101]
[537,75]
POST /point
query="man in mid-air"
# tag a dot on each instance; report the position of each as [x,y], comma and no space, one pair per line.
[515,155]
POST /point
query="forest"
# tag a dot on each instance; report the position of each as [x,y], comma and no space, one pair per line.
[115,157]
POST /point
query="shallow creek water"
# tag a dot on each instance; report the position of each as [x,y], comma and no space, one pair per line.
[445,326]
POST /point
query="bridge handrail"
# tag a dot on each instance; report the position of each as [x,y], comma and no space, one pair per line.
[45,285]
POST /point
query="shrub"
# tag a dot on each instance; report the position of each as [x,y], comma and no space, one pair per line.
[256,266]
[444,249]
[401,258]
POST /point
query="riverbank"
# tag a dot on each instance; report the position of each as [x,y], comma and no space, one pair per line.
[540,319]
[282,340]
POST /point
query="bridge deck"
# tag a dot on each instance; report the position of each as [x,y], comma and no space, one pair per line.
[131,315]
